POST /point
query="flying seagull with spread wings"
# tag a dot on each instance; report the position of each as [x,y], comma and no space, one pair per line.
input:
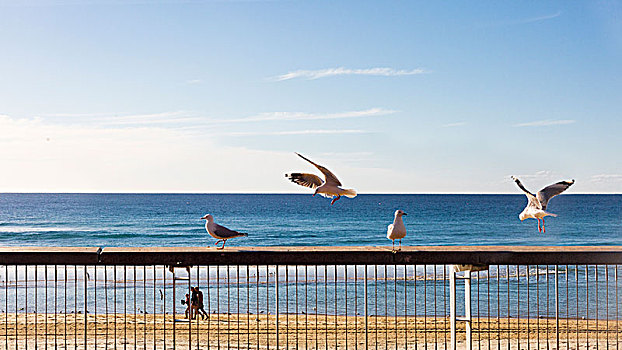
[330,187]
[536,205]
[221,233]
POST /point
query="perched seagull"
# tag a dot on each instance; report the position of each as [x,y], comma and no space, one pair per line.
[397,230]
[330,187]
[221,233]
[536,205]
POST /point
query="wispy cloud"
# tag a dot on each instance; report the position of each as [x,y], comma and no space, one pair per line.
[606,178]
[331,72]
[285,116]
[194,81]
[546,122]
[539,18]
[453,125]
[297,132]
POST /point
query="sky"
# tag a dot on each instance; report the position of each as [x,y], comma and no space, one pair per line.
[393,97]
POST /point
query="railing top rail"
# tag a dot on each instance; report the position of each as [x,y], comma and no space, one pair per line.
[350,255]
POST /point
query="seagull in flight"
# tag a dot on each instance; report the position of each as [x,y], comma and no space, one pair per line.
[221,233]
[397,230]
[330,187]
[536,205]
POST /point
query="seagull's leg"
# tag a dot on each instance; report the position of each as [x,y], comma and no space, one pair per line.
[400,244]
[393,244]
[539,229]
[335,199]
[543,229]
[218,241]
[223,244]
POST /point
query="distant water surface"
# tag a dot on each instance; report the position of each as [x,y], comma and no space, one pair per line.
[291,219]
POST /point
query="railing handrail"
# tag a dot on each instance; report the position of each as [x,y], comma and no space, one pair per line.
[312,255]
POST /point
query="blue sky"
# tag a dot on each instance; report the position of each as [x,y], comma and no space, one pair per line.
[215,96]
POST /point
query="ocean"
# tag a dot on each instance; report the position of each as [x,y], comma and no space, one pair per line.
[301,220]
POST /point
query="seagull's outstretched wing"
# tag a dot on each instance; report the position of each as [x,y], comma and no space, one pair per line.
[226,233]
[545,194]
[533,201]
[306,180]
[330,177]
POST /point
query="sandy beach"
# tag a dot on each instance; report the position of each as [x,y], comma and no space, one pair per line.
[294,331]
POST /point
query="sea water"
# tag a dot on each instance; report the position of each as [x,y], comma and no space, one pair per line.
[301,220]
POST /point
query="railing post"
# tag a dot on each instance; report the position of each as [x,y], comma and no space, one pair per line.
[467,308]
[452,306]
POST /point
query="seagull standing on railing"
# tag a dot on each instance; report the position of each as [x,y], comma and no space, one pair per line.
[330,187]
[536,205]
[397,230]
[221,233]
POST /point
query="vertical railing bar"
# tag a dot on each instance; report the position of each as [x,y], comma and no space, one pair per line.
[65,304]
[587,307]
[229,307]
[268,306]
[202,306]
[125,306]
[85,307]
[386,311]
[576,281]
[395,302]
[445,304]
[366,313]
[257,302]
[528,309]
[191,313]
[518,325]
[37,308]
[498,307]
[55,305]
[174,284]
[509,322]
[16,310]
[356,309]
[26,306]
[75,306]
[479,324]
[538,304]
[326,304]
[316,307]
[209,306]
[567,312]
[95,305]
[163,305]
[248,311]
[218,304]
[405,306]
[155,282]
[276,304]
[135,314]
[488,307]
[106,304]
[557,300]
[335,309]
[286,305]
[435,315]
[548,314]
[376,304]
[425,305]
[596,297]
[617,309]
[607,304]
[415,302]
[306,306]
[345,285]
[114,306]
[145,306]
[6,307]
[237,302]
[296,315]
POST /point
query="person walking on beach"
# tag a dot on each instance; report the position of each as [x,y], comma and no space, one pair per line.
[199,305]
[188,306]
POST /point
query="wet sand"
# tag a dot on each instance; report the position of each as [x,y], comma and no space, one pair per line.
[67,331]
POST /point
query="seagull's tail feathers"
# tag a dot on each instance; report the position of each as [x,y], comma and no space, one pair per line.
[350,193]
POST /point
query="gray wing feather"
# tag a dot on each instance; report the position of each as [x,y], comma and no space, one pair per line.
[545,194]
[224,232]
[330,177]
[306,180]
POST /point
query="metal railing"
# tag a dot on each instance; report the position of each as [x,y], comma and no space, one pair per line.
[311,298]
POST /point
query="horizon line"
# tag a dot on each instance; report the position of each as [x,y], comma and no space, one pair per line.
[303,194]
